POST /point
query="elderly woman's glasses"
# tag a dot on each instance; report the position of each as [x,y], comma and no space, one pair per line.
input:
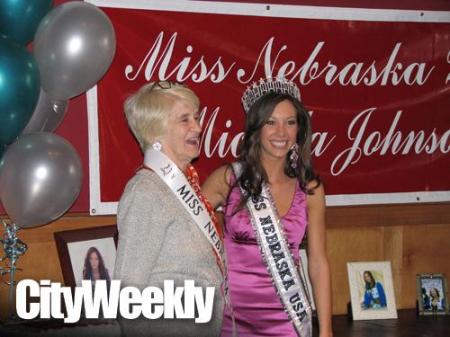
[164,85]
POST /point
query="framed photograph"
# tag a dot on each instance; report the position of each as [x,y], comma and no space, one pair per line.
[305,276]
[87,254]
[432,294]
[371,290]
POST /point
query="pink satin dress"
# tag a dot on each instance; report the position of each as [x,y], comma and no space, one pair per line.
[257,308]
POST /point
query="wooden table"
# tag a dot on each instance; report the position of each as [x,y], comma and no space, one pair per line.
[407,325]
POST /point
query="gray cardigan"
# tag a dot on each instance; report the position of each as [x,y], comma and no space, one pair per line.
[159,241]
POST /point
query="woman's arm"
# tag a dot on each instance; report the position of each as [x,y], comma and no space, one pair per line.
[217,186]
[367,298]
[318,266]
[382,294]
[142,230]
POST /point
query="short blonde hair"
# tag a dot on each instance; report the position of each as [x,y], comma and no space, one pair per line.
[148,109]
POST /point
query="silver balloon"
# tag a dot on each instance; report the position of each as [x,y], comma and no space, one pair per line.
[47,115]
[74,46]
[40,178]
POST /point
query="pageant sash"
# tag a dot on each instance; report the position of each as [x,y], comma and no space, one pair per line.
[179,185]
[277,257]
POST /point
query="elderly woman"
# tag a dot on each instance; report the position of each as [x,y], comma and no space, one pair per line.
[167,229]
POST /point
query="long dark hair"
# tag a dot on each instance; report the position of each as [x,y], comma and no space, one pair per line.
[253,173]
[371,284]
[87,270]
[437,293]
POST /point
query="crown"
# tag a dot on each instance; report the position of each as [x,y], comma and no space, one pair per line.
[264,86]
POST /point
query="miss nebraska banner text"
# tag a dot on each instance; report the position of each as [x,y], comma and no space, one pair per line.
[129,302]
[375,81]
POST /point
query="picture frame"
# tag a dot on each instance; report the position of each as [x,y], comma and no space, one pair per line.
[80,249]
[432,294]
[371,290]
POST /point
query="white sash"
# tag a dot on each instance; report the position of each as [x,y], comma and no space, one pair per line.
[180,186]
[277,257]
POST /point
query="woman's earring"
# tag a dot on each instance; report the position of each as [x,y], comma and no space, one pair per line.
[293,158]
[157,146]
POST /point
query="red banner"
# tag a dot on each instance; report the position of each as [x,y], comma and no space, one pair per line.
[375,81]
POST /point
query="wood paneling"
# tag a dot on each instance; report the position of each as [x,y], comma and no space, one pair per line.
[389,215]
[415,238]
[41,260]
[411,249]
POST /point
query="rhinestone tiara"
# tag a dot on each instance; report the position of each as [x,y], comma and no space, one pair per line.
[264,86]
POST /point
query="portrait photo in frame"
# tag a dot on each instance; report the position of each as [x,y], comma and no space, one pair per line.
[87,254]
[371,290]
[432,294]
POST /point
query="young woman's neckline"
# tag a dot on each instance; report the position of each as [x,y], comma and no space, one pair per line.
[292,202]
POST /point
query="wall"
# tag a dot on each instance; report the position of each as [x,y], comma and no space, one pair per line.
[415,238]
[411,250]
[41,260]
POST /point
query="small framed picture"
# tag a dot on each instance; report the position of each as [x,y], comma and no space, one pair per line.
[87,254]
[371,290]
[305,276]
[432,294]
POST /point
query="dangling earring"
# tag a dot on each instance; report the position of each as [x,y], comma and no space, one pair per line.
[157,146]
[293,158]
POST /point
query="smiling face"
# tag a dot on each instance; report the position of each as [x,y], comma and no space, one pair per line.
[181,142]
[434,293]
[280,132]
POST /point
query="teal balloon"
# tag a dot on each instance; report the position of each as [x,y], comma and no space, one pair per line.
[19,19]
[19,88]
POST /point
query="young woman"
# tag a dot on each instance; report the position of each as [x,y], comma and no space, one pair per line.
[272,198]
[94,266]
[435,301]
[374,295]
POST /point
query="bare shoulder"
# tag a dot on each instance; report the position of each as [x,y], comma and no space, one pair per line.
[317,199]
[220,177]
[221,174]
[217,186]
